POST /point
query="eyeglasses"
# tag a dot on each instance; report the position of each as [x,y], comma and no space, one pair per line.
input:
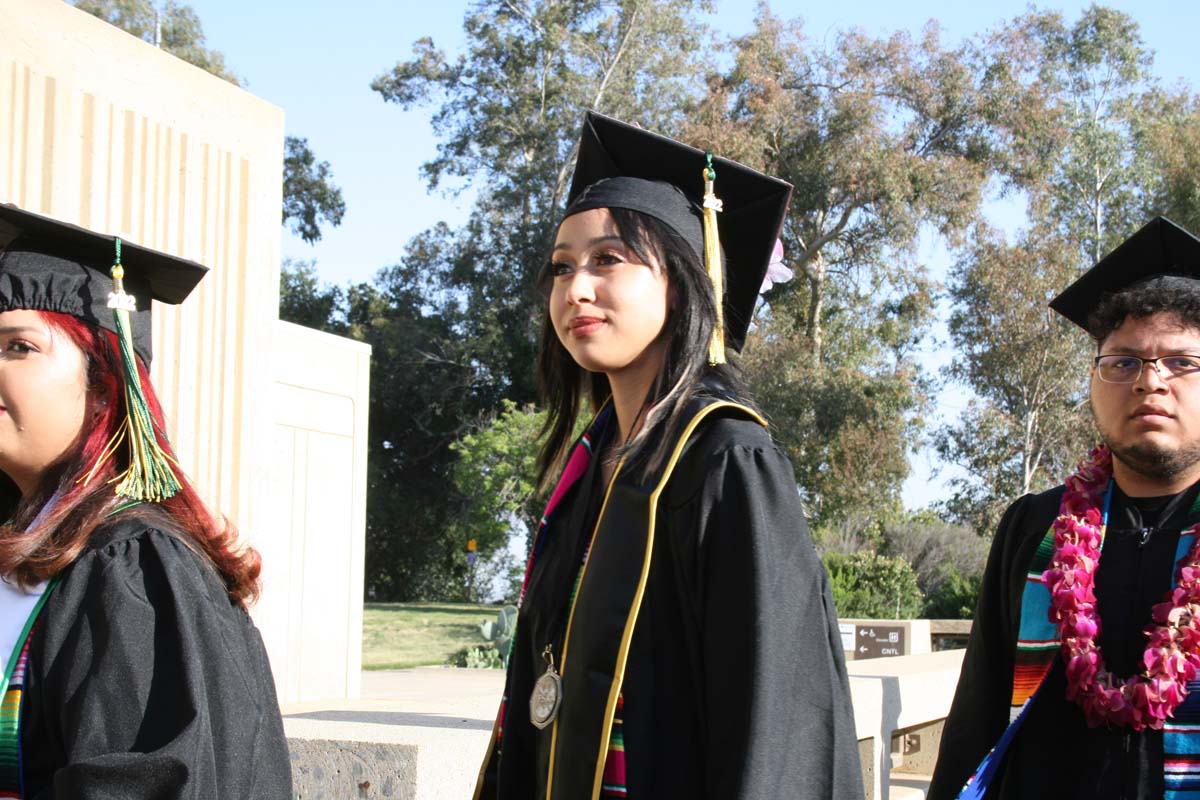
[1128,369]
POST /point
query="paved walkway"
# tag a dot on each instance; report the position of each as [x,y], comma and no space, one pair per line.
[446,713]
[402,696]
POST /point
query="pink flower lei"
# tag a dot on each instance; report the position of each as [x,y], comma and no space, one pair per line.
[1172,656]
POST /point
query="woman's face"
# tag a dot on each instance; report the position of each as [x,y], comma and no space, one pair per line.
[43,396]
[607,306]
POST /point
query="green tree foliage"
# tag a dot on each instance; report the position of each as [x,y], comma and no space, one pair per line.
[867,585]
[306,300]
[495,472]
[309,194]
[1172,135]
[310,198]
[881,138]
[1028,423]
[507,113]
[1072,119]
[426,388]
[935,549]
[955,596]
[455,321]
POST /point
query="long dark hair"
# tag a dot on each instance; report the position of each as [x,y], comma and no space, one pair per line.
[686,373]
[33,555]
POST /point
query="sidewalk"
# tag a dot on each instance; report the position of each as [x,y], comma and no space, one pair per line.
[472,695]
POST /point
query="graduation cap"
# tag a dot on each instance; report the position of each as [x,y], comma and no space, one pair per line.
[48,265]
[713,203]
[1160,251]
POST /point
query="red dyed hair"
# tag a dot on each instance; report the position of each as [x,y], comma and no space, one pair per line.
[33,556]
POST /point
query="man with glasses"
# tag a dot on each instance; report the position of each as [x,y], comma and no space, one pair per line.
[1080,678]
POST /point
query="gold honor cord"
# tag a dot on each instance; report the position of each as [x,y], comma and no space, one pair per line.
[150,476]
[712,261]
[610,709]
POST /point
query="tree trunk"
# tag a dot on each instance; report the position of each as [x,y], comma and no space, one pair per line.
[816,304]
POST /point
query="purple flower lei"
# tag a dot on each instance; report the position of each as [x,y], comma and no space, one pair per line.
[1172,655]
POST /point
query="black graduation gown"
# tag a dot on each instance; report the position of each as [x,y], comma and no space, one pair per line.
[145,681]
[735,685]
[1055,754]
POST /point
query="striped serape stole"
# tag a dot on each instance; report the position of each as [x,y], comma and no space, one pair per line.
[577,465]
[1037,647]
[1181,733]
[10,729]
[613,782]
[1181,748]
[1037,638]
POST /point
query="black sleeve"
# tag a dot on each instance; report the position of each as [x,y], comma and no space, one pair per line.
[145,681]
[777,702]
[979,713]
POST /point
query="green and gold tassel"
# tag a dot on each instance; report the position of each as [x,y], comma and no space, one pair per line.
[712,261]
[151,475]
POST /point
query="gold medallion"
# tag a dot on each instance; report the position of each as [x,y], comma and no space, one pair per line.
[546,696]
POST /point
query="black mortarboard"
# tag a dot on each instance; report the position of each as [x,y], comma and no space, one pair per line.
[49,265]
[1160,251]
[622,166]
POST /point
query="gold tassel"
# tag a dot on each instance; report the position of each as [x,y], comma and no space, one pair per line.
[712,261]
[151,474]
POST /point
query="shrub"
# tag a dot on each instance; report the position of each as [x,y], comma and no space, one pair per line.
[867,585]
[935,549]
[955,597]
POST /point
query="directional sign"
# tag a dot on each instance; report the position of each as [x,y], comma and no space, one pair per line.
[878,641]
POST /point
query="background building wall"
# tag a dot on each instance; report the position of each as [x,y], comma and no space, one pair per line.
[316,496]
[102,129]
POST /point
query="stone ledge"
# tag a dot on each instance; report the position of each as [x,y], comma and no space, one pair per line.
[339,770]
[348,754]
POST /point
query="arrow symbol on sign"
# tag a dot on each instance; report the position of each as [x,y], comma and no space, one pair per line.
[862,649]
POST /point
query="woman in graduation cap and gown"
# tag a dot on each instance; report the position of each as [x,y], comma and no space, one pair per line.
[676,636]
[130,666]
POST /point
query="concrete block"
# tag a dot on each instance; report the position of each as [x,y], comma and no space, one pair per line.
[895,694]
[343,770]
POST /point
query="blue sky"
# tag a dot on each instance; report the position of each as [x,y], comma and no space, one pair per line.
[317,60]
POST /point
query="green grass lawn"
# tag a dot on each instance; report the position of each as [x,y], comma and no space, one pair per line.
[402,635]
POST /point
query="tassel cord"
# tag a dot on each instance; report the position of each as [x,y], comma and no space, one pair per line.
[712,261]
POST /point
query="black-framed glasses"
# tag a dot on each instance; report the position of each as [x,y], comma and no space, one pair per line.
[1127,369]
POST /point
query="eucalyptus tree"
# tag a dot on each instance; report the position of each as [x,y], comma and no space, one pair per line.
[1026,424]
[457,316]
[1172,135]
[1085,135]
[507,112]
[1068,105]
[883,139]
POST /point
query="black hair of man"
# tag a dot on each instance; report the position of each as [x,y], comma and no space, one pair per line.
[1172,295]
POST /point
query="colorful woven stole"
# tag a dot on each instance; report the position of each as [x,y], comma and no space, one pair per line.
[12,686]
[1038,646]
[577,466]
[10,729]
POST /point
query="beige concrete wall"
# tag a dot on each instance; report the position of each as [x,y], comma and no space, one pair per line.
[316,491]
[101,129]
